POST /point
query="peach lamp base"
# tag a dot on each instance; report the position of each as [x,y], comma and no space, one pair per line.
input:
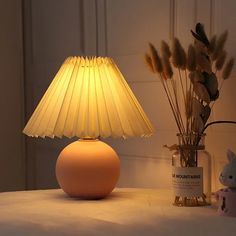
[88,169]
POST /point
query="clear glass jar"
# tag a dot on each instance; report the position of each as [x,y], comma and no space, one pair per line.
[191,172]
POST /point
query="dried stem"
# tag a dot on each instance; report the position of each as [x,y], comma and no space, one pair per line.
[171,103]
[177,105]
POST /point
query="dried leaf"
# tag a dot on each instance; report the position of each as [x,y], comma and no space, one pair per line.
[205,114]
[196,36]
[198,124]
[211,84]
[216,96]
[201,92]
[200,47]
[199,77]
[203,62]
[196,76]
[198,108]
[200,34]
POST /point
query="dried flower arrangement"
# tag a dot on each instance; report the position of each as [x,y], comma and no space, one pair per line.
[197,75]
[192,82]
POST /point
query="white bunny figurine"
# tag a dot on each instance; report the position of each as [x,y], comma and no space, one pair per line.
[228,174]
[227,196]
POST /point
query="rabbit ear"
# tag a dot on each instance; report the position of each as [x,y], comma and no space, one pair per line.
[231,156]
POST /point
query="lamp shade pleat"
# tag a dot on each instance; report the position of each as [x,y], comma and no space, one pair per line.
[88,98]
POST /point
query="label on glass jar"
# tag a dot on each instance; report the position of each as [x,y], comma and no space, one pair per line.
[187,181]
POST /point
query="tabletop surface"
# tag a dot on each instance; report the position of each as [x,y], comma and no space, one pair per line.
[127,211]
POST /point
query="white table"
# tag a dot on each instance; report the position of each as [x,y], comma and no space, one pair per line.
[125,212]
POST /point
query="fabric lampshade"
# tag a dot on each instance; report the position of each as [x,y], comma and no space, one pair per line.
[88,98]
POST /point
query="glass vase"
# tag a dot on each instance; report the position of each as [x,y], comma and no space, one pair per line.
[191,171]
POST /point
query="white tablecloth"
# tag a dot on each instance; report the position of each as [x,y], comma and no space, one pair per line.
[124,212]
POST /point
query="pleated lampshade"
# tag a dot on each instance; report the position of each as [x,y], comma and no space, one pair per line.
[88,98]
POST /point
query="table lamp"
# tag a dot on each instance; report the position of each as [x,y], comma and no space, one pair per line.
[90,99]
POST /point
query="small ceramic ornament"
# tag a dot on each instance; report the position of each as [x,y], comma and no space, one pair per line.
[227,196]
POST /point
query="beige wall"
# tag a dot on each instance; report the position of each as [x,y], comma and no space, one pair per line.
[129,26]
[11,96]
[122,29]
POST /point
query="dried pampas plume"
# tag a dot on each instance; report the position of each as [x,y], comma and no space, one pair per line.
[156,60]
[184,59]
[178,55]
[148,61]
[212,44]
[168,72]
[191,59]
[219,47]
[220,60]
[165,50]
[228,69]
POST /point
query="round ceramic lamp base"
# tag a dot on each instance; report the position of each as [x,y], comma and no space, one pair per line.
[88,169]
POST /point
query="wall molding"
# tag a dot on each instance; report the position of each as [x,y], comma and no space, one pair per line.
[216,16]
[30,163]
[90,30]
[101,18]
[172,28]
[82,25]
[146,157]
